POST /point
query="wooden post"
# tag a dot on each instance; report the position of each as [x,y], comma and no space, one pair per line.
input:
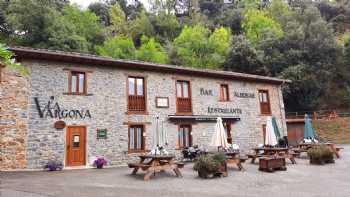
[315,115]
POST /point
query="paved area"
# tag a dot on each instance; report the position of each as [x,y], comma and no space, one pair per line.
[302,179]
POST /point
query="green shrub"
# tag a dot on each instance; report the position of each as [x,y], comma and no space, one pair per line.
[206,164]
[320,153]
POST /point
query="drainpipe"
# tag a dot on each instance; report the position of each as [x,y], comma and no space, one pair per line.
[280,96]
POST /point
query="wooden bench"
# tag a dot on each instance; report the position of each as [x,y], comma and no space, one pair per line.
[253,157]
[137,166]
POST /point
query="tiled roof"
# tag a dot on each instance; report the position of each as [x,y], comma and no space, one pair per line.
[54,55]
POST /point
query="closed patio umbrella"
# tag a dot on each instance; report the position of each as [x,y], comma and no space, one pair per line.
[275,128]
[270,136]
[309,132]
[219,138]
[159,139]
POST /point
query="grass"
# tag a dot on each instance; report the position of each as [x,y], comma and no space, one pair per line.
[336,130]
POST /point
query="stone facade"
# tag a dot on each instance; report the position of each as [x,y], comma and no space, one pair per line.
[14,97]
[107,103]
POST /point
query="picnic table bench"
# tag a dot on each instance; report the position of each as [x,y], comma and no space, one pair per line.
[282,152]
[152,164]
[233,158]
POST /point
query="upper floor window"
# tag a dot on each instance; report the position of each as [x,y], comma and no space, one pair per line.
[77,82]
[183,97]
[136,97]
[136,138]
[264,102]
[224,92]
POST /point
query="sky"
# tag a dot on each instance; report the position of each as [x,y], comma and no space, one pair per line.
[86,3]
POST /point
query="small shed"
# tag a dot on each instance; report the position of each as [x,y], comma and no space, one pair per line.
[295,130]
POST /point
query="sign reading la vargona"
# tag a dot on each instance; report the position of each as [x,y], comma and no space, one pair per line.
[52,109]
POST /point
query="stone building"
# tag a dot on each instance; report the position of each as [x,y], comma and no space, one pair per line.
[73,107]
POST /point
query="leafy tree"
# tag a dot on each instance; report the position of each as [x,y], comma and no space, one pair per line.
[30,18]
[101,9]
[243,57]
[119,47]
[117,20]
[151,51]
[195,47]
[166,26]
[6,57]
[140,26]
[256,23]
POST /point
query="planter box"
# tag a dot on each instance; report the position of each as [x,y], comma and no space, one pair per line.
[222,171]
[321,161]
[270,164]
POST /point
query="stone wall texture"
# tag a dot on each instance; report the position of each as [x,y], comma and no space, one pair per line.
[14,97]
[108,106]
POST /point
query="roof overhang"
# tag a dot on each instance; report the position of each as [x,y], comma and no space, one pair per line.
[79,58]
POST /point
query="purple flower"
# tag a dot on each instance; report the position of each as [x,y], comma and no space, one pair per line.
[100,162]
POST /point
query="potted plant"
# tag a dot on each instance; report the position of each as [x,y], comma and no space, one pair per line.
[99,162]
[54,165]
[320,155]
[208,166]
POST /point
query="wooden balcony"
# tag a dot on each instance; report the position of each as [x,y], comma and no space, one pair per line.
[184,105]
[136,103]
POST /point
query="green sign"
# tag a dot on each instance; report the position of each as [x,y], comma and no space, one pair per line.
[101,133]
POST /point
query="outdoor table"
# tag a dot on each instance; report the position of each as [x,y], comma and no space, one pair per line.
[306,146]
[155,164]
[276,151]
[233,158]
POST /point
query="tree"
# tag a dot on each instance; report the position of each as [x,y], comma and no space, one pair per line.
[151,51]
[139,27]
[256,23]
[7,58]
[119,47]
[166,26]
[101,9]
[196,47]
[117,20]
[29,19]
[243,57]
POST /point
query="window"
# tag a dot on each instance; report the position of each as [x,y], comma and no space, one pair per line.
[227,127]
[136,91]
[264,132]
[224,93]
[264,102]
[77,82]
[183,97]
[136,138]
[184,136]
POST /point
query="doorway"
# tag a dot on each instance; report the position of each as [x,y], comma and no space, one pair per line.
[76,146]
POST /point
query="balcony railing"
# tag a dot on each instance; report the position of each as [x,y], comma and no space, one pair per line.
[137,103]
[183,105]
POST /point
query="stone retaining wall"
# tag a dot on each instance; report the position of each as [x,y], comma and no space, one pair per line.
[14,94]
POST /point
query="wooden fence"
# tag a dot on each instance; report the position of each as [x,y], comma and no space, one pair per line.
[322,114]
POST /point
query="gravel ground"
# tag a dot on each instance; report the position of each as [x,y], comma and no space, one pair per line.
[301,179]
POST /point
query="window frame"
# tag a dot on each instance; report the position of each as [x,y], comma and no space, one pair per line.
[189,126]
[135,91]
[189,96]
[70,76]
[221,89]
[261,104]
[143,142]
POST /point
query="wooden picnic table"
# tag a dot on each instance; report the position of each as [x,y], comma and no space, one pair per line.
[233,158]
[286,152]
[305,146]
[152,164]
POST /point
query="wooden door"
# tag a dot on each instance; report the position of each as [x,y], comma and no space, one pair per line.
[76,140]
